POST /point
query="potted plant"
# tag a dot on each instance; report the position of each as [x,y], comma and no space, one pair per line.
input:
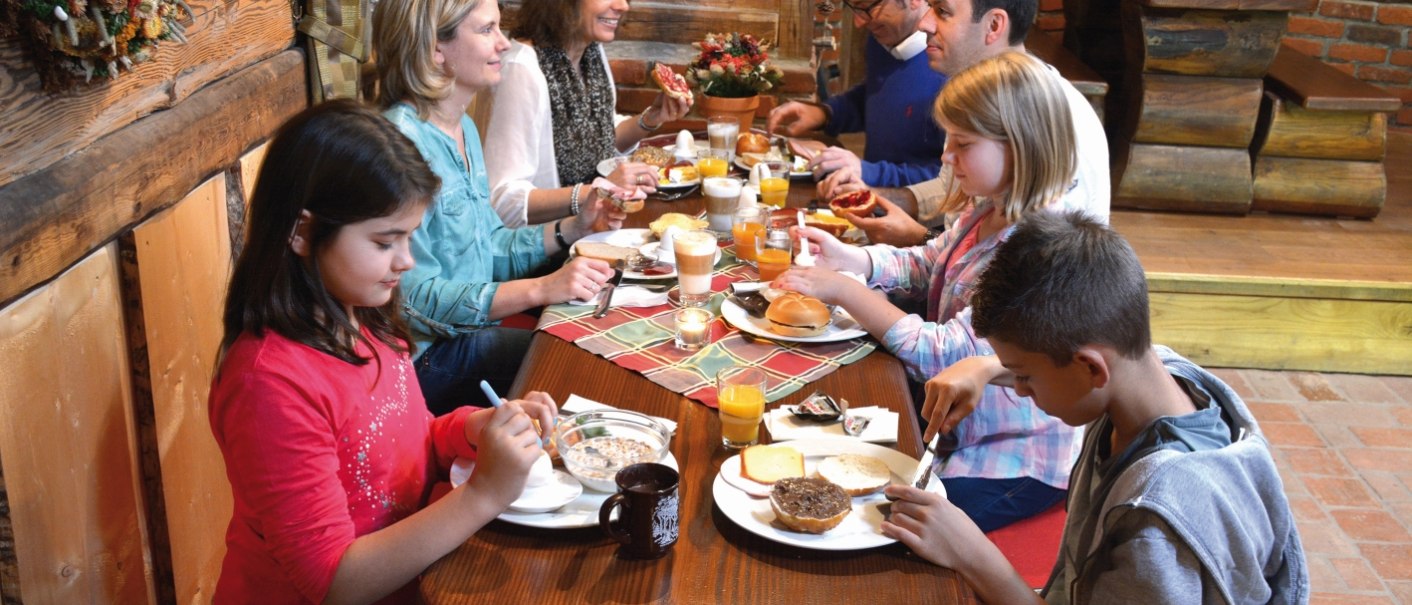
[730,72]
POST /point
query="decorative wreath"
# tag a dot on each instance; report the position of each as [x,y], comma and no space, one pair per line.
[74,40]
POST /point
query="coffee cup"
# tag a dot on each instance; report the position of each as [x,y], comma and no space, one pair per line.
[649,518]
[695,253]
[722,195]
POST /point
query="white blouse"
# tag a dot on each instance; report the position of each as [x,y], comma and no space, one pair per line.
[518,133]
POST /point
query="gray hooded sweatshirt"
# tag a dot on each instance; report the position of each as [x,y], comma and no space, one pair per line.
[1192,511]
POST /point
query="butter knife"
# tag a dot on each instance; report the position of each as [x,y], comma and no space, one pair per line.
[608,293]
[924,473]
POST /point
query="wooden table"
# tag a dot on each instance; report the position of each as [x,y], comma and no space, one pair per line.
[714,561]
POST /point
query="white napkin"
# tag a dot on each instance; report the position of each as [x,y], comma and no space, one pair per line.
[575,404]
[628,295]
[785,426]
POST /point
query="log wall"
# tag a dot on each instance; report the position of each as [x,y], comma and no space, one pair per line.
[121,201]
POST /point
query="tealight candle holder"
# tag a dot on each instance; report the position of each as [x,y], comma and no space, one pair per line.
[693,328]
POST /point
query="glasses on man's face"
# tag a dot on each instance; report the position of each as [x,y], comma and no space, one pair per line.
[863,8]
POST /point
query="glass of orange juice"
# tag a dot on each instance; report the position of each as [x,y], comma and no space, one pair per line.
[740,396]
[712,162]
[773,253]
[774,189]
[747,225]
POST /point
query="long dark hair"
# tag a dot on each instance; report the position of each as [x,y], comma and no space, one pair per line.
[547,23]
[344,163]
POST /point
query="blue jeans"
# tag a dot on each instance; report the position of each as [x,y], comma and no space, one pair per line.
[451,369]
[995,503]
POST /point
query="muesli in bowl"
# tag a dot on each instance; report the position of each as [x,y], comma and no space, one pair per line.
[596,445]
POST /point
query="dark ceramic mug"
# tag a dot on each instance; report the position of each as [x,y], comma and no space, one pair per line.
[647,526]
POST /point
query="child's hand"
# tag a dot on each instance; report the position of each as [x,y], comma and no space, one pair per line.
[541,408]
[508,446]
[579,279]
[931,526]
[953,394]
[824,284]
[830,253]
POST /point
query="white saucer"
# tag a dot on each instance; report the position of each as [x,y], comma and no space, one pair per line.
[560,490]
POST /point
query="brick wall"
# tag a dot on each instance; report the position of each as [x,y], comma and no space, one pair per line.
[1366,39]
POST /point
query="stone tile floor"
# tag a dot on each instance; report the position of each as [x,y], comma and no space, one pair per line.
[1343,444]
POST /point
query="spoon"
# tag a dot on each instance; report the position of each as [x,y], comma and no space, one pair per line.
[853,426]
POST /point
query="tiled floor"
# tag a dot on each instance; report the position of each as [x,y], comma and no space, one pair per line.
[1343,444]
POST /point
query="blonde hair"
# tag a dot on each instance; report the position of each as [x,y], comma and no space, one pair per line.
[405,34]
[1014,99]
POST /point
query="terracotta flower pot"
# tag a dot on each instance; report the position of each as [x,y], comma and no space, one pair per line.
[742,109]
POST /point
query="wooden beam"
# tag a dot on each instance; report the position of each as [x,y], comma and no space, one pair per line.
[58,215]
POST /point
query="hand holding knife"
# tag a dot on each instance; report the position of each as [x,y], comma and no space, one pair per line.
[607,292]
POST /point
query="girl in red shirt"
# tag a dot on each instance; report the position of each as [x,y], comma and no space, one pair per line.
[328,445]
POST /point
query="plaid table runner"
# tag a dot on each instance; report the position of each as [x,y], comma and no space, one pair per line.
[641,339]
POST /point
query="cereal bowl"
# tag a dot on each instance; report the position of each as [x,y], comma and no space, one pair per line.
[596,445]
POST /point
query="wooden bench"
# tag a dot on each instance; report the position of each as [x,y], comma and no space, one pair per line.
[1322,137]
[1084,78]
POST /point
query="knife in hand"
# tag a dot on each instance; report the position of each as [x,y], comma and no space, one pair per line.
[924,473]
[608,293]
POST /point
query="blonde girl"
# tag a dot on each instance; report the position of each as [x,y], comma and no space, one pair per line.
[1010,145]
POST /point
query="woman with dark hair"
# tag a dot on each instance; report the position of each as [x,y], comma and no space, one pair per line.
[472,270]
[328,447]
[551,120]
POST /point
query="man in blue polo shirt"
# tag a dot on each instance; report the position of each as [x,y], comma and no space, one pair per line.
[892,106]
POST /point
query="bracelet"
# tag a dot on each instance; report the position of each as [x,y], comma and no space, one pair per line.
[559,235]
[641,123]
[574,200]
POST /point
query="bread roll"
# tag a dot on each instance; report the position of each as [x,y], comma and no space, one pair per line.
[809,505]
[857,474]
[798,315]
[601,251]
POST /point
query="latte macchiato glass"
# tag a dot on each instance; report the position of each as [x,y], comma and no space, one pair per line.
[722,196]
[722,132]
[696,257]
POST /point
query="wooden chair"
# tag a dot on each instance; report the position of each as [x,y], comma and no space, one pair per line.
[1321,141]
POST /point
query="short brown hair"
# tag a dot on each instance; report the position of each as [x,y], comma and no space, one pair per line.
[1061,281]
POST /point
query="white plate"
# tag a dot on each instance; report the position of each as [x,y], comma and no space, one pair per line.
[582,511]
[606,167]
[561,490]
[796,170]
[627,238]
[842,328]
[859,530]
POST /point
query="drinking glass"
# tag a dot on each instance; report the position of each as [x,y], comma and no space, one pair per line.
[774,189]
[712,162]
[722,195]
[748,226]
[740,397]
[693,328]
[722,132]
[774,253]
[695,252]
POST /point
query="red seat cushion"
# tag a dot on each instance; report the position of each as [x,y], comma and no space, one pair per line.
[1032,545]
[520,320]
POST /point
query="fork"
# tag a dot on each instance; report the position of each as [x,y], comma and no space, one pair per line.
[668,197]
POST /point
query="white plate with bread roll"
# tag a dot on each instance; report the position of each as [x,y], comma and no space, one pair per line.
[842,326]
[859,529]
[612,245]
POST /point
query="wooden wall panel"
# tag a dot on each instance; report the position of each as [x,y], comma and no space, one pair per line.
[182,265]
[58,215]
[787,23]
[69,464]
[38,128]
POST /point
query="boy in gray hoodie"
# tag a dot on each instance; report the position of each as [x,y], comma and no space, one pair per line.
[1174,497]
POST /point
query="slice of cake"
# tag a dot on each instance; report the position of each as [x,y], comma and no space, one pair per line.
[770,463]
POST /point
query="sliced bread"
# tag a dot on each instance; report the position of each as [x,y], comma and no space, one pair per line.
[857,474]
[770,463]
[810,505]
[601,251]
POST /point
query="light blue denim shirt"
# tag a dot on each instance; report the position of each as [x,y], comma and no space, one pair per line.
[463,250]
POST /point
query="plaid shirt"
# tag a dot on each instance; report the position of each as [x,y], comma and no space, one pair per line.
[1006,436]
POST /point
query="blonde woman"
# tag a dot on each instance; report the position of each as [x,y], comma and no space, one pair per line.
[1010,145]
[472,271]
[552,118]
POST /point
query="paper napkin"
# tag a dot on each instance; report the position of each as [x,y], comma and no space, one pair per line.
[785,426]
[575,404]
[628,296]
